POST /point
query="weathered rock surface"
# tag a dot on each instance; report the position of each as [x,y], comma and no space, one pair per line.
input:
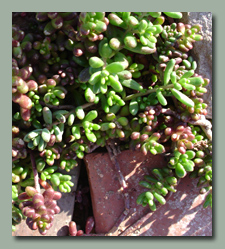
[202,51]
[107,199]
[182,215]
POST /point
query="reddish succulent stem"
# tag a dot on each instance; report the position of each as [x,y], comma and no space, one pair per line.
[36,178]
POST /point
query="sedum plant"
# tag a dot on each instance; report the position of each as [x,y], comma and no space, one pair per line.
[83,80]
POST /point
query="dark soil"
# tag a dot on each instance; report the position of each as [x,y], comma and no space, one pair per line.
[83,204]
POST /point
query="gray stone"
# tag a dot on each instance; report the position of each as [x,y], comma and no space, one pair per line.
[202,50]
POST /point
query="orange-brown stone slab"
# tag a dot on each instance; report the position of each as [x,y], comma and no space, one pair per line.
[182,215]
[107,199]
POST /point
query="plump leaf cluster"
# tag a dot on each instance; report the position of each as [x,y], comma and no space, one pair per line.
[39,208]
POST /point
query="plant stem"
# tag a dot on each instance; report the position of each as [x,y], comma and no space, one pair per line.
[57,107]
[168,111]
[36,178]
[92,148]
[132,96]
[112,154]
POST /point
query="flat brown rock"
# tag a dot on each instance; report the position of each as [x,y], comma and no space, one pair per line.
[182,215]
[107,199]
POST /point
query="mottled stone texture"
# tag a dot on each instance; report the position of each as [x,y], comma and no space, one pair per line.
[61,220]
[202,50]
[107,199]
[182,215]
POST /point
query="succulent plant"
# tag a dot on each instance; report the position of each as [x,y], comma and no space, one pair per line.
[83,79]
